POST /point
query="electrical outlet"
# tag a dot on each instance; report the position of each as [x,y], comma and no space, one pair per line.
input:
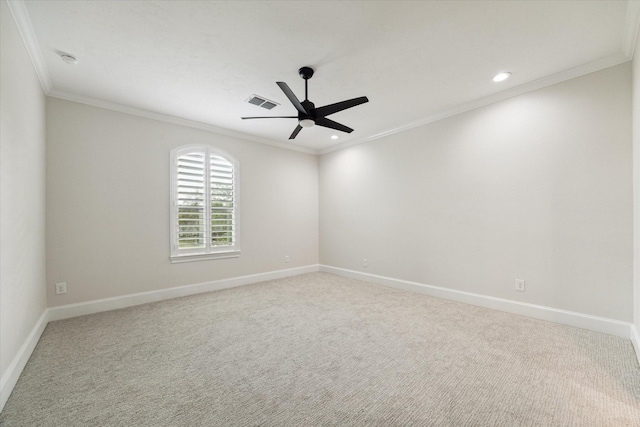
[286,258]
[365,262]
[61,288]
[520,285]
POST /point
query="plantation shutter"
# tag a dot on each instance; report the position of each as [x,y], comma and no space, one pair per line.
[222,201]
[191,201]
[204,221]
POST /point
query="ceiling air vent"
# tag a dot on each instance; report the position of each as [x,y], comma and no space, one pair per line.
[261,102]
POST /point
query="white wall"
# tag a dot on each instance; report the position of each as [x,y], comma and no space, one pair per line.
[22,195]
[537,187]
[108,205]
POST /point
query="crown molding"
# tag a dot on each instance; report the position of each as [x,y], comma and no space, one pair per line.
[560,77]
[94,102]
[21,17]
[631,27]
[553,79]
[23,22]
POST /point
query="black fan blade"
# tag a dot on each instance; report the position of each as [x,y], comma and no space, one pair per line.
[270,117]
[324,122]
[296,131]
[287,91]
[339,106]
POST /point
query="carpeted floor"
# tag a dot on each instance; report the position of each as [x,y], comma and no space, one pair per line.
[321,350]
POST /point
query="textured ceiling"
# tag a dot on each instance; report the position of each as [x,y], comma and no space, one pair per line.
[415,61]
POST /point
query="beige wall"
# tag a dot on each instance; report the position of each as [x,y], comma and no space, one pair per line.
[537,187]
[108,205]
[22,193]
[636,183]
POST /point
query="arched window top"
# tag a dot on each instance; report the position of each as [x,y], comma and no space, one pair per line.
[184,149]
[204,204]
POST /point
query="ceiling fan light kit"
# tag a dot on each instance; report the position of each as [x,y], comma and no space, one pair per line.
[308,114]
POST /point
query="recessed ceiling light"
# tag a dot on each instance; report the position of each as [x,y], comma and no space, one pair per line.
[69,59]
[501,77]
[334,136]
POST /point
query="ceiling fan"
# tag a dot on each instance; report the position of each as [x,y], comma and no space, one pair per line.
[308,114]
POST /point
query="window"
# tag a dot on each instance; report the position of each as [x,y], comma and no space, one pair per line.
[204,202]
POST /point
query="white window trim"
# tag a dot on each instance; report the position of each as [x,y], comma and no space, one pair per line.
[197,254]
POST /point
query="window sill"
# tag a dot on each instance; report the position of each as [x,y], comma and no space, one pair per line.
[203,257]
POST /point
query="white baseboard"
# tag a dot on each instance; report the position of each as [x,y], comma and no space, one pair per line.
[11,375]
[579,320]
[106,304]
[635,340]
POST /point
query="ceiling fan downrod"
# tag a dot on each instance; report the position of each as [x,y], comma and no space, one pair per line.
[306,73]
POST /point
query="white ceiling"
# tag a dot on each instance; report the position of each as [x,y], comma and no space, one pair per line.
[199,61]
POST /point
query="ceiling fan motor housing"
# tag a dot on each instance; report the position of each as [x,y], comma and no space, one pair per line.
[310,107]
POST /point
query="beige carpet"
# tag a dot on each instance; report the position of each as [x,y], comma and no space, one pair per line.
[323,350]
